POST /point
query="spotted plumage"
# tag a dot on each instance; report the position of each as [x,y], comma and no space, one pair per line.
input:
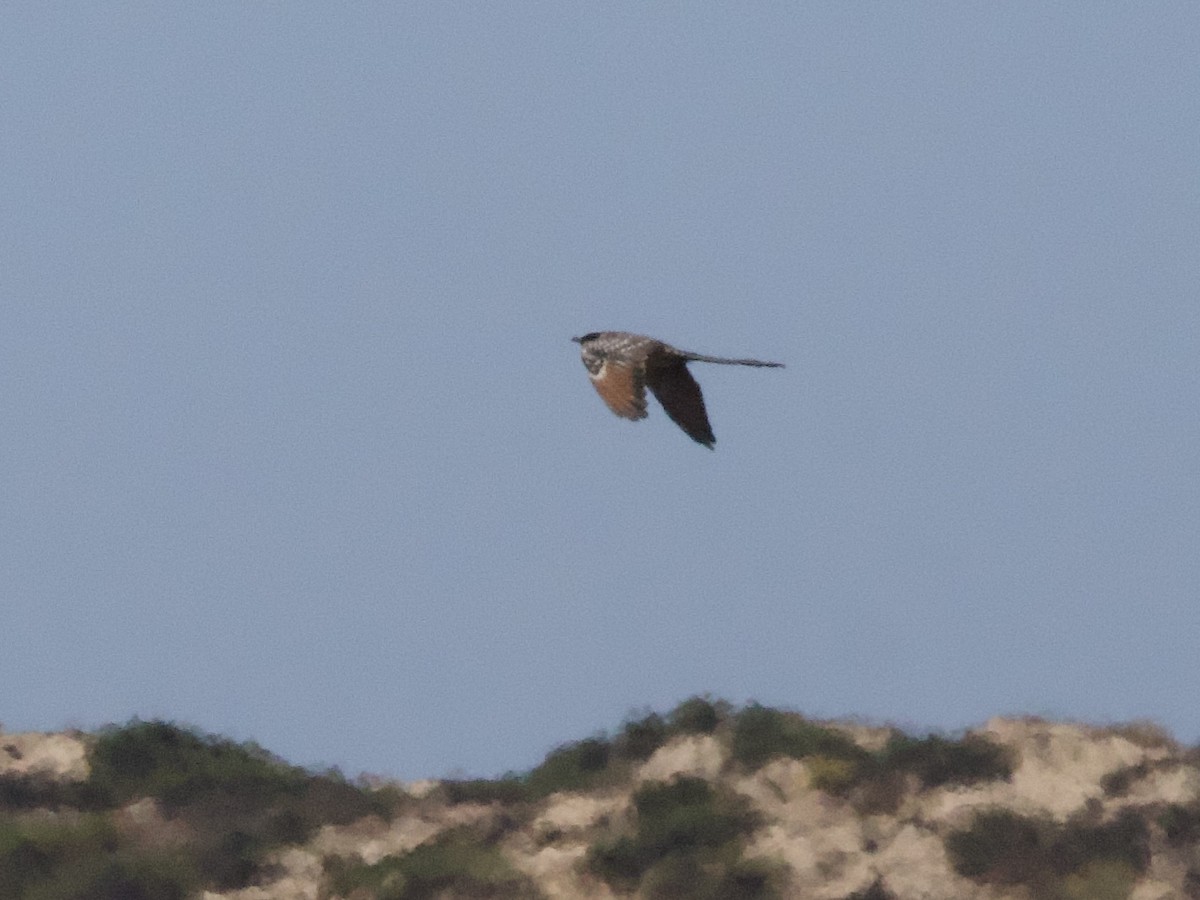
[622,365]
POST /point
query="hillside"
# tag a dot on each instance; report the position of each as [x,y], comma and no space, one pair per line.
[706,801]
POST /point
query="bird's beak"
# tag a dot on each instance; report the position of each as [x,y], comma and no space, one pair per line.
[577,340]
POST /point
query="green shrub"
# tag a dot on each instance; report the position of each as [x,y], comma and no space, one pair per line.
[999,846]
[877,782]
[760,734]
[937,761]
[876,891]
[1118,782]
[235,802]
[122,876]
[1181,823]
[571,767]
[583,765]
[83,858]
[749,879]
[507,790]
[685,813]
[235,832]
[696,715]
[621,861]
[681,825]
[639,738]
[1125,840]
[24,791]
[176,765]
[688,877]
[456,862]
[832,774]
[1099,880]
[31,851]
[240,801]
[678,877]
[1003,847]
[328,798]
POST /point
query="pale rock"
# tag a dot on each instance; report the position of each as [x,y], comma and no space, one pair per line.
[1059,770]
[914,867]
[61,756]
[698,755]
[1163,784]
[557,871]
[574,812]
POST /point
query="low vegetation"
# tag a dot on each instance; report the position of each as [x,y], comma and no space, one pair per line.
[460,859]
[229,806]
[937,761]
[168,812]
[874,781]
[761,734]
[593,762]
[875,891]
[1180,823]
[1072,860]
[686,840]
[83,857]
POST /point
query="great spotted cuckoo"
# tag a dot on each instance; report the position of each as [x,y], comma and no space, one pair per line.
[623,365]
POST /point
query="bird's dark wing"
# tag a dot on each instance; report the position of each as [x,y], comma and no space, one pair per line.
[680,396]
[622,387]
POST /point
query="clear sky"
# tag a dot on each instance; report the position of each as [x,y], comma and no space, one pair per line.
[294,445]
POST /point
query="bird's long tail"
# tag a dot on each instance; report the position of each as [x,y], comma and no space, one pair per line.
[700,357]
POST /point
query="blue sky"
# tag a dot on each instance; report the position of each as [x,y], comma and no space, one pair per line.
[296,448]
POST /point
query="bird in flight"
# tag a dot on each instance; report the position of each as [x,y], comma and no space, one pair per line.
[622,365]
